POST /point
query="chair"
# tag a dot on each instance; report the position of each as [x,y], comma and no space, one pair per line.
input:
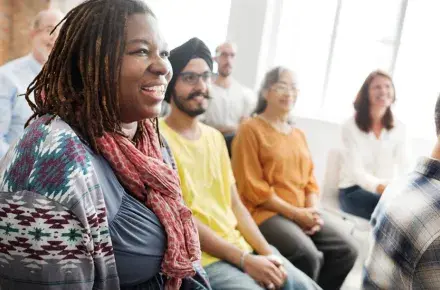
[330,192]
[360,230]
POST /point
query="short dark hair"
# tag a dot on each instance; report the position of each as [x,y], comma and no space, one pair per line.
[437,116]
[362,104]
[80,80]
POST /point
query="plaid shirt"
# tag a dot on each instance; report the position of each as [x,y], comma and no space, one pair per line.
[405,252]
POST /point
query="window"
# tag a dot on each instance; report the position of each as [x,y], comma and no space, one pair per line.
[365,41]
[181,20]
[334,44]
[417,73]
[305,34]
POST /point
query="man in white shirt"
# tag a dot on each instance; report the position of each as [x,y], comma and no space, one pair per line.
[231,102]
[16,75]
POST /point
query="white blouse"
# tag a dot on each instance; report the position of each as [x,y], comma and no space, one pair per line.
[368,161]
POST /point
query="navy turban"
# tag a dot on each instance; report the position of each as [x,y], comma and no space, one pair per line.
[182,55]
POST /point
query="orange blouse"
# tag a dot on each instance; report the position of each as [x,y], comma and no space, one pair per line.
[266,161]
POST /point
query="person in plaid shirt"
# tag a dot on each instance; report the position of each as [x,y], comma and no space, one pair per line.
[405,252]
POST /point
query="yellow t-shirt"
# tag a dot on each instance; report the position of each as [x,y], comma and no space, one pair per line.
[206,179]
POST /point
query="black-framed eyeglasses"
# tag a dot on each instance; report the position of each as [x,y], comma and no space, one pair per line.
[192,78]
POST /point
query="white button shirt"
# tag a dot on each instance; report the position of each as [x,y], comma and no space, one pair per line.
[368,161]
[15,77]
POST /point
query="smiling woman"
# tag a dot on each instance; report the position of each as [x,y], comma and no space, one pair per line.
[90,175]
[375,149]
[275,177]
[145,91]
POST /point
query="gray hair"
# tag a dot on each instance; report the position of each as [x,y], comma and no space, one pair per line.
[39,17]
[271,78]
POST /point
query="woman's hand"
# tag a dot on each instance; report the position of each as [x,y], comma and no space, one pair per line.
[306,218]
[381,188]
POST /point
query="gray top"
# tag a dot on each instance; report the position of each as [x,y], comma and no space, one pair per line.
[137,235]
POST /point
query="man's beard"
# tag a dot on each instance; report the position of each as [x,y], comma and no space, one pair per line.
[44,53]
[225,72]
[180,103]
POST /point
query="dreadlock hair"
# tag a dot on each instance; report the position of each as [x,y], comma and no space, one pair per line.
[80,80]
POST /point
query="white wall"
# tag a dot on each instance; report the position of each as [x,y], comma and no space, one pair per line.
[64,5]
[253,26]
[181,20]
[246,28]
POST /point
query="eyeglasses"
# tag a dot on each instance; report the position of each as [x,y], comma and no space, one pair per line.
[226,55]
[48,30]
[284,90]
[192,78]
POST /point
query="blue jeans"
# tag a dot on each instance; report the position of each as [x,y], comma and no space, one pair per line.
[225,276]
[197,282]
[228,139]
[358,201]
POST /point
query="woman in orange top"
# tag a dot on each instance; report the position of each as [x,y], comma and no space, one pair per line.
[274,173]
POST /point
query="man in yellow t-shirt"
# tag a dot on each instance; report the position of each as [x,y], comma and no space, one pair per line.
[235,253]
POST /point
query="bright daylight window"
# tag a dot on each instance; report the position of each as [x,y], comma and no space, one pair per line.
[334,44]
[417,72]
[365,41]
[304,43]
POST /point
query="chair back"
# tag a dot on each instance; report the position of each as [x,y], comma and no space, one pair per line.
[330,188]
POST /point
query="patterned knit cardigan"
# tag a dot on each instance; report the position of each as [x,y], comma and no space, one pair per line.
[54,232]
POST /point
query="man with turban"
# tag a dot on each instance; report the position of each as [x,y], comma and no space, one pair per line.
[235,253]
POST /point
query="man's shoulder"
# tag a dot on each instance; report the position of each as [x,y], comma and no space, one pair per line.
[406,225]
[15,64]
[168,133]
[15,71]
[239,86]
[210,132]
[215,88]
[407,217]
[415,192]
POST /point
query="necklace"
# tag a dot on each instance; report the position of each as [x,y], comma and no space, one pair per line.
[282,127]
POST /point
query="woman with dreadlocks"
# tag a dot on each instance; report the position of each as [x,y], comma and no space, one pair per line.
[90,198]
